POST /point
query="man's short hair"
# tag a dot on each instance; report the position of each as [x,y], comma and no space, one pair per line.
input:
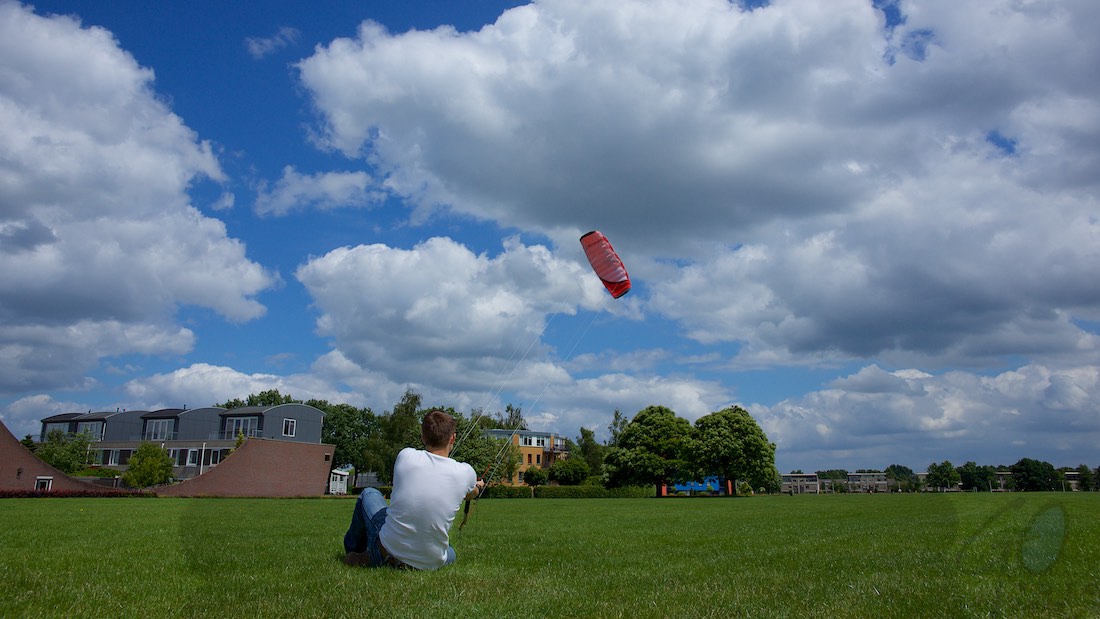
[436,429]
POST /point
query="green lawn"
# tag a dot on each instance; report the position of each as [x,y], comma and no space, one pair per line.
[962,555]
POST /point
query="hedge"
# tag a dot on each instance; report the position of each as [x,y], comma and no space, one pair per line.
[594,492]
[70,494]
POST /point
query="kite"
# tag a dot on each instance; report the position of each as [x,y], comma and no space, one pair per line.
[606,263]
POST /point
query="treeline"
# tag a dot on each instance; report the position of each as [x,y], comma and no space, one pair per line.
[370,441]
[1027,475]
[654,447]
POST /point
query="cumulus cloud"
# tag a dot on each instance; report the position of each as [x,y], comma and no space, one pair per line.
[99,241]
[440,308]
[202,384]
[840,186]
[325,190]
[875,418]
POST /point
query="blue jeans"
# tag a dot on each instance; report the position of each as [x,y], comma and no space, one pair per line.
[367,521]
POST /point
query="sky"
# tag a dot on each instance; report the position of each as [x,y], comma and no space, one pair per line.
[874,225]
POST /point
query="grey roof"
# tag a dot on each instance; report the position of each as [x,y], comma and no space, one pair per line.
[62,417]
[164,413]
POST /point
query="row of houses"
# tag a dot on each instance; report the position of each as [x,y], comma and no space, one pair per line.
[200,438]
[808,483]
[196,439]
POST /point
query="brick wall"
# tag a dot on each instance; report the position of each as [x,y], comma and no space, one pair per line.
[263,468]
[19,468]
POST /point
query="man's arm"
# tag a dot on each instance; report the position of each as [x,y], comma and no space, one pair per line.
[476,492]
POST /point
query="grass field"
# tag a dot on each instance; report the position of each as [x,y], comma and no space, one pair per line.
[933,555]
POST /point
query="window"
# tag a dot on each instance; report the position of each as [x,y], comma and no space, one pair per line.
[528,458]
[157,429]
[192,457]
[43,484]
[241,425]
[112,457]
[95,428]
[538,458]
[288,427]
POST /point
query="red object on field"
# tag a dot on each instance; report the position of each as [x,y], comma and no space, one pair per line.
[606,263]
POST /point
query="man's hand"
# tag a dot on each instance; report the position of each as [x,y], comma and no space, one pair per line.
[476,492]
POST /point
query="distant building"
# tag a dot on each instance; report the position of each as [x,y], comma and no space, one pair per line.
[536,449]
[801,483]
[196,439]
[868,482]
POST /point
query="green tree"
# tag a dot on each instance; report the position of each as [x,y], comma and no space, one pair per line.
[535,476]
[347,428]
[591,450]
[271,397]
[570,472]
[731,445]
[974,477]
[493,458]
[943,475]
[150,465]
[515,419]
[67,453]
[650,450]
[616,427]
[1085,479]
[29,443]
[1034,475]
[396,430]
[904,478]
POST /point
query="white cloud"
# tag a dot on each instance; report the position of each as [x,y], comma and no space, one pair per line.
[875,418]
[323,191]
[838,194]
[203,384]
[259,47]
[100,243]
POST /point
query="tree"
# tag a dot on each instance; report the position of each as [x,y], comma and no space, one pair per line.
[150,465]
[535,476]
[1085,479]
[974,477]
[591,450]
[1034,475]
[943,475]
[396,430]
[650,449]
[495,458]
[271,397]
[835,480]
[29,443]
[571,472]
[904,478]
[349,429]
[514,420]
[67,453]
[729,444]
[616,427]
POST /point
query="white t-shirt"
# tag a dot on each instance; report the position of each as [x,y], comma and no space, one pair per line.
[427,492]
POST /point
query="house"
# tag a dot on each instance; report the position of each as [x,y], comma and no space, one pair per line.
[868,482]
[801,483]
[536,449]
[196,439]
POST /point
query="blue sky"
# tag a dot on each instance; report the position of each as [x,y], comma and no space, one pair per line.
[872,224]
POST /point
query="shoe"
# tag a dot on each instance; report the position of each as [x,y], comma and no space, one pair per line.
[357,559]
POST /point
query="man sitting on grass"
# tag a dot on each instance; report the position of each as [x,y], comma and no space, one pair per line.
[428,488]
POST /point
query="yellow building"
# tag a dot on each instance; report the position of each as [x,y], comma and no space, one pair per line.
[536,449]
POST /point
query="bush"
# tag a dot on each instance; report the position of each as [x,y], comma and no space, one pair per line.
[95,471]
[92,492]
[501,491]
[535,476]
[594,492]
